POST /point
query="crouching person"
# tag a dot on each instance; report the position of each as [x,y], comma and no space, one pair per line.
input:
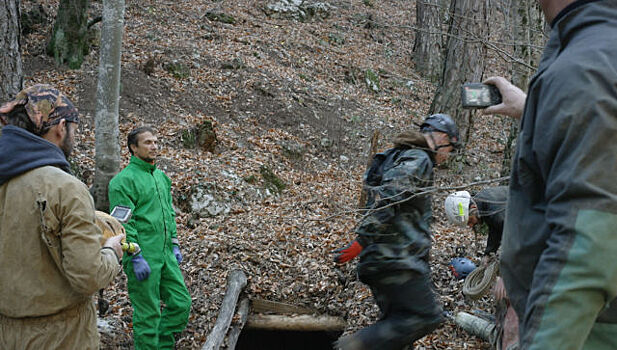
[488,207]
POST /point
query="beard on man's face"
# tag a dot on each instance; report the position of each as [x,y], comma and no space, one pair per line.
[67,146]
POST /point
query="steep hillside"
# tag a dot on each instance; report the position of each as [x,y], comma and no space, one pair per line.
[292,97]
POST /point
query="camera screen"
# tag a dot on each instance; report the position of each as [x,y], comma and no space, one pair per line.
[121,213]
[477,95]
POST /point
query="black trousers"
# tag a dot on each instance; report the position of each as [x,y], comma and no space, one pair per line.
[409,310]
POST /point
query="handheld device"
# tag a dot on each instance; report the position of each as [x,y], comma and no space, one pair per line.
[121,213]
[478,95]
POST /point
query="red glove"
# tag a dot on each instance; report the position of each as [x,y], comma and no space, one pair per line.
[345,254]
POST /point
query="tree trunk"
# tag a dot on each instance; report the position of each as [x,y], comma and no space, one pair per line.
[429,42]
[525,28]
[68,43]
[464,59]
[236,329]
[107,147]
[369,161]
[235,283]
[11,75]
[305,323]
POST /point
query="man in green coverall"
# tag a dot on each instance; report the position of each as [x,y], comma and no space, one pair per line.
[154,273]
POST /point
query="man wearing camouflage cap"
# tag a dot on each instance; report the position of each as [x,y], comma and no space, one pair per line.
[394,237]
[51,259]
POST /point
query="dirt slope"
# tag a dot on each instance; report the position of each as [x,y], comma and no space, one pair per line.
[285,95]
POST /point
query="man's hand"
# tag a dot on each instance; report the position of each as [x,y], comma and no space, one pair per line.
[115,244]
[177,253]
[141,267]
[345,254]
[499,291]
[513,98]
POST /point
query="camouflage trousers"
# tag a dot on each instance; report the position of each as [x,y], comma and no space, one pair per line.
[409,311]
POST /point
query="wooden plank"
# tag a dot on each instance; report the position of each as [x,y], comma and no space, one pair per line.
[236,280]
[295,323]
[275,307]
[235,330]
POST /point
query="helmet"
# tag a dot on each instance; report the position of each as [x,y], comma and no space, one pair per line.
[109,225]
[456,206]
[461,267]
[443,123]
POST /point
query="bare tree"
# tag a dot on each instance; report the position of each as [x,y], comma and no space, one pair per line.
[528,37]
[107,102]
[524,24]
[430,40]
[11,75]
[68,43]
[464,59]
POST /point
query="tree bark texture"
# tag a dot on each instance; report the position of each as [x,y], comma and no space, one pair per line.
[236,329]
[303,323]
[236,281]
[11,74]
[525,24]
[464,60]
[107,146]
[527,28]
[369,161]
[274,307]
[68,43]
[430,39]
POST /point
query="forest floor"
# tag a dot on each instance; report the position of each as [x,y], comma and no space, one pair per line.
[287,97]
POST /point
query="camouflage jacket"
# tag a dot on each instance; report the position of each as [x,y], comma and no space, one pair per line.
[395,232]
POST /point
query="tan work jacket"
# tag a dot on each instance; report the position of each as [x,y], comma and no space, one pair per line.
[50,251]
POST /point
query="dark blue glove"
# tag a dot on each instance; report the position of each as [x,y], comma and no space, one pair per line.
[177,253]
[141,267]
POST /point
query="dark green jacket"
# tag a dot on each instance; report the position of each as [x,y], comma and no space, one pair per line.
[559,243]
[145,189]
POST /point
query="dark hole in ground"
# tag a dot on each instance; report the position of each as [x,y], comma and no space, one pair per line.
[254,339]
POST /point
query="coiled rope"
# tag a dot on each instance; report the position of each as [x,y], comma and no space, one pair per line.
[480,280]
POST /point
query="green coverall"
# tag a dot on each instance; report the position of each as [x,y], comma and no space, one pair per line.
[147,191]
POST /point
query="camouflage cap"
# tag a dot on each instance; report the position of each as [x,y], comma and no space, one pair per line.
[45,106]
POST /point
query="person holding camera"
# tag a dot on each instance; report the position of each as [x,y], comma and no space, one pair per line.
[394,237]
[559,243]
[51,259]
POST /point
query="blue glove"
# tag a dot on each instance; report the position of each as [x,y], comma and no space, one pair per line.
[141,267]
[177,253]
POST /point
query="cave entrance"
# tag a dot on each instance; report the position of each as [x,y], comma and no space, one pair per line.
[261,339]
[281,326]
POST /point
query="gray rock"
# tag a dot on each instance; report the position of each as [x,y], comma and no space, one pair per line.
[298,9]
[205,204]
